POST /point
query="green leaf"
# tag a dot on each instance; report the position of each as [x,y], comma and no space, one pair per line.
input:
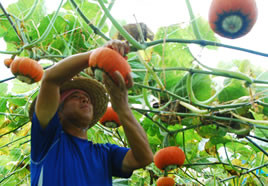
[20,87]
[154,140]
[172,54]
[260,133]
[16,153]
[89,9]
[22,7]
[234,91]
[120,182]
[201,84]
[211,130]
[219,140]
[3,89]
[59,26]
[3,108]
[19,101]
[189,121]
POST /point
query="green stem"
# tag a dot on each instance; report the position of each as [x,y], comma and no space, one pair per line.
[14,141]
[151,71]
[155,122]
[250,170]
[205,43]
[144,91]
[239,75]
[45,34]
[28,15]
[191,92]
[23,36]
[10,52]
[104,17]
[11,22]
[121,30]
[188,101]
[193,108]
[193,20]
[205,116]
[199,72]
[95,29]
[256,145]
[230,163]
[261,122]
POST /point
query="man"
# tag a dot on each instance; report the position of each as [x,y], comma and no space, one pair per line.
[64,110]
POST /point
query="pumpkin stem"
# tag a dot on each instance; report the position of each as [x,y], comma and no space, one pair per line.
[111,124]
[232,24]
[170,167]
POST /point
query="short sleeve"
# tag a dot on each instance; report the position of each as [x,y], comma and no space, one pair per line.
[117,156]
[43,139]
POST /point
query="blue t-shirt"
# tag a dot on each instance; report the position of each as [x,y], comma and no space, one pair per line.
[60,159]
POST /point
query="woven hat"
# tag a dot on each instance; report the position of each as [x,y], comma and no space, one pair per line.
[93,88]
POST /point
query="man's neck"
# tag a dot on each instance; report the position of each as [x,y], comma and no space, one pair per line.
[75,131]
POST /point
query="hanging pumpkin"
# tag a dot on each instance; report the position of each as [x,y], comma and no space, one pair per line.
[165,181]
[110,118]
[27,70]
[8,62]
[109,61]
[169,158]
[232,18]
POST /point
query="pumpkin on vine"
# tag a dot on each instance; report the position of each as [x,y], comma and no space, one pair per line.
[165,181]
[110,118]
[27,70]
[232,18]
[109,61]
[169,158]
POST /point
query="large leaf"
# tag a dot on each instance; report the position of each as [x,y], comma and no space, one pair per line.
[22,7]
[90,10]
[20,87]
[59,26]
[234,91]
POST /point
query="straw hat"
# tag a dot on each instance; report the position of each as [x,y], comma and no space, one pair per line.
[95,90]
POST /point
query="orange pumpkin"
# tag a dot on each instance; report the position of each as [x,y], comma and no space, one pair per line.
[232,18]
[169,158]
[8,62]
[165,181]
[110,61]
[110,118]
[27,70]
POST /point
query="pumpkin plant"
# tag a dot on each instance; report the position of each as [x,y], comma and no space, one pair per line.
[110,118]
[27,70]
[169,158]
[109,60]
[165,181]
[232,18]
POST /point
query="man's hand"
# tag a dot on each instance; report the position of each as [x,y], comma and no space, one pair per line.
[140,153]
[118,91]
[120,46]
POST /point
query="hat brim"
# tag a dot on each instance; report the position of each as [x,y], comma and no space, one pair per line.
[95,90]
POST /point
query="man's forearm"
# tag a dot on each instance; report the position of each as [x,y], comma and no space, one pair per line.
[67,68]
[136,137]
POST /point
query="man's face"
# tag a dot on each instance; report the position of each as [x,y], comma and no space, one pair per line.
[78,109]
